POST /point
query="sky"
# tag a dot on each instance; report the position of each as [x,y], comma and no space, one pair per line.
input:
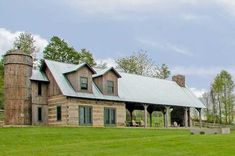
[195,38]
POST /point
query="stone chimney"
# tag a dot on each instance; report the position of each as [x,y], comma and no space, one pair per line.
[179,79]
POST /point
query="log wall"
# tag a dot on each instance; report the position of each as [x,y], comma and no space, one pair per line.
[97,111]
[70,111]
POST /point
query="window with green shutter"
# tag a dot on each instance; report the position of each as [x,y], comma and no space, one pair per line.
[109,116]
[110,87]
[85,115]
[84,83]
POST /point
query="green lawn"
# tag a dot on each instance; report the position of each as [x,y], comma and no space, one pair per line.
[112,141]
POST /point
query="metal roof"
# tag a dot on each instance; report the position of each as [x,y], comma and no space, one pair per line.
[38,75]
[77,67]
[136,88]
[131,88]
[104,71]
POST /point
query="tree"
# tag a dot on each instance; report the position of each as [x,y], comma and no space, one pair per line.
[140,63]
[211,109]
[222,89]
[86,56]
[102,65]
[163,72]
[59,50]
[25,42]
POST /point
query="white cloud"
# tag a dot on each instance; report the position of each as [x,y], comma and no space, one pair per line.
[7,38]
[198,92]
[227,5]
[114,6]
[109,61]
[129,9]
[180,49]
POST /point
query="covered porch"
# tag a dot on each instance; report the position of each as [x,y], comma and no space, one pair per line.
[173,116]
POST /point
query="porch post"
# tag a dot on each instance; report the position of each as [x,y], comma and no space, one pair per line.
[186,117]
[131,114]
[200,117]
[166,116]
[150,116]
[189,118]
[145,115]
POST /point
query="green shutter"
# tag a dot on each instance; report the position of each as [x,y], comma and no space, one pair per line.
[81,115]
[85,115]
[109,116]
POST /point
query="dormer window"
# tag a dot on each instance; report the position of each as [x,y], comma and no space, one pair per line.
[84,83]
[110,87]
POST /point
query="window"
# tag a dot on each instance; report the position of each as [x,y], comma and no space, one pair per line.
[84,83]
[110,87]
[39,88]
[39,113]
[109,116]
[58,113]
[85,115]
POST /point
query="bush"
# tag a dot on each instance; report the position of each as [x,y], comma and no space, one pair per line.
[202,132]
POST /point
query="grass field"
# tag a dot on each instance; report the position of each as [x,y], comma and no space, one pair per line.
[112,141]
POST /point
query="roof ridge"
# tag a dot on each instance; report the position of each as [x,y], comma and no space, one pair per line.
[61,62]
[146,76]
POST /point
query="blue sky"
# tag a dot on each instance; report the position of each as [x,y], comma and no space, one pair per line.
[194,37]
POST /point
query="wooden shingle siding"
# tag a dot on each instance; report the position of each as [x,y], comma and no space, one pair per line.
[53,88]
[101,82]
[74,79]
[110,76]
[39,101]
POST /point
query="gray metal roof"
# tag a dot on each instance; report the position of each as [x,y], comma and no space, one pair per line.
[132,88]
[136,88]
[37,75]
[104,71]
[77,67]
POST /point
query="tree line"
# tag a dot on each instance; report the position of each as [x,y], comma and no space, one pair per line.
[219,100]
